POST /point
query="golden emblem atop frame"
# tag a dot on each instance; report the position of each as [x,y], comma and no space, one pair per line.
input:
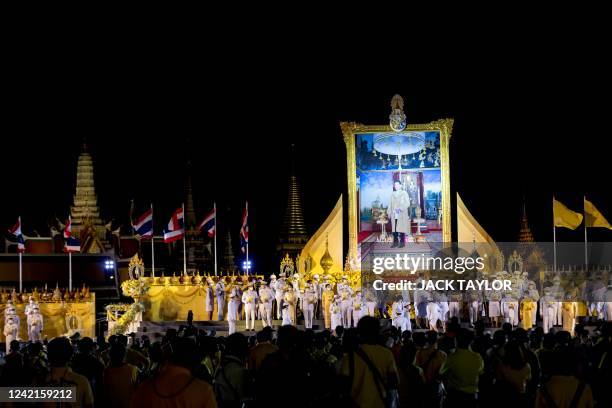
[287,266]
[351,129]
[136,267]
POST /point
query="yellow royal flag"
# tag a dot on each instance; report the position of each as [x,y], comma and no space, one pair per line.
[564,217]
[593,218]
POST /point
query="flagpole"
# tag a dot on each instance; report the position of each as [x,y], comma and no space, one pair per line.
[20,272]
[152,245]
[248,266]
[554,239]
[586,252]
[184,243]
[70,271]
[215,237]
[131,214]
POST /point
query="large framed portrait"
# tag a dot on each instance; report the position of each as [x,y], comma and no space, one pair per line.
[398,184]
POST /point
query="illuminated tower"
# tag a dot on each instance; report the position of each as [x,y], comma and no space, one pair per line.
[196,254]
[293,235]
[86,222]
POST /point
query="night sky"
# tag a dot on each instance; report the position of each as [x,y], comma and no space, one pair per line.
[521,129]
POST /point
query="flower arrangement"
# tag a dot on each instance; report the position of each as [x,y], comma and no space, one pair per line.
[135,288]
[123,322]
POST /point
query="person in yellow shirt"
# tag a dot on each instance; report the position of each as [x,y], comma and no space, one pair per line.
[120,379]
[264,347]
[370,369]
[528,310]
[461,371]
[569,310]
[327,299]
[430,360]
[564,389]
[60,352]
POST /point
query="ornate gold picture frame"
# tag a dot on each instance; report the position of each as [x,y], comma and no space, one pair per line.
[351,129]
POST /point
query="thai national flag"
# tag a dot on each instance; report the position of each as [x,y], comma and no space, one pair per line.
[176,227]
[68,228]
[15,230]
[244,230]
[143,226]
[209,223]
[72,245]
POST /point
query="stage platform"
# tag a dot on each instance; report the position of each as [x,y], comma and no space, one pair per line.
[220,327]
[158,329]
[153,329]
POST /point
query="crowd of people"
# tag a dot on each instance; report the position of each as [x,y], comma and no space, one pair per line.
[372,365]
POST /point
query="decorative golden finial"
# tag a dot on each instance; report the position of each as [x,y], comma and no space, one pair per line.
[287,266]
[347,265]
[326,261]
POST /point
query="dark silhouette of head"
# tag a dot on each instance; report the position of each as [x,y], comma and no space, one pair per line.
[287,338]
[184,353]
[117,354]
[464,338]
[368,330]
[14,346]
[59,351]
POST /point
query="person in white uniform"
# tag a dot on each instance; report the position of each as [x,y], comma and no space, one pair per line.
[31,310]
[548,310]
[232,310]
[371,304]
[400,315]
[358,307]
[220,295]
[291,300]
[309,300]
[11,329]
[30,306]
[35,324]
[249,299]
[433,314]
[399,214]
[346,293]
[279,293]
[286,313]
[318,290]
[265,304]
[454,306]
[272,287]
[474,307]
[608,301]
[494,308]
[510,309]
[10,311]
[443,305]
[336,313]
